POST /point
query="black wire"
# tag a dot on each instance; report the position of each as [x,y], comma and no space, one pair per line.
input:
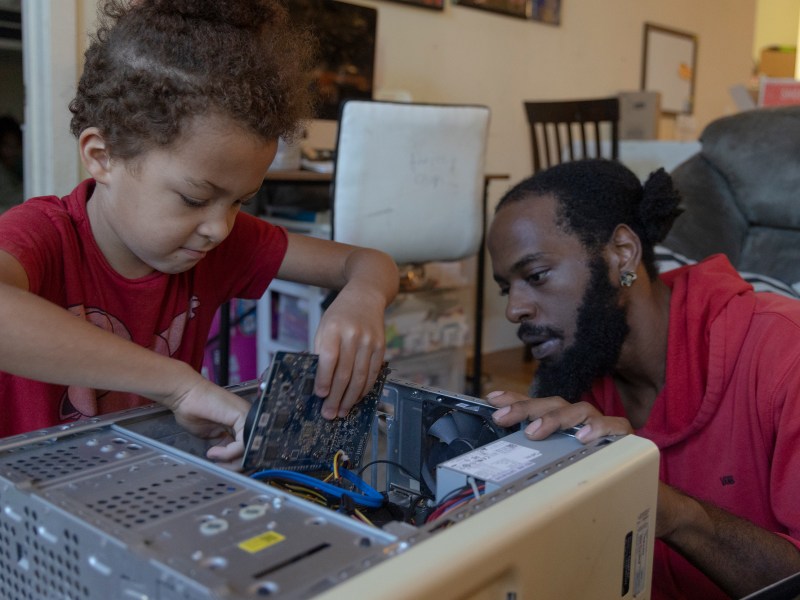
[402,469]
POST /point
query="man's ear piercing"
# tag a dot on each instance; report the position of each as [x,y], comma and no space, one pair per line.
[627,278]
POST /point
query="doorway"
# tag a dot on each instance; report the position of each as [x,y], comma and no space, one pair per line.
[12,104]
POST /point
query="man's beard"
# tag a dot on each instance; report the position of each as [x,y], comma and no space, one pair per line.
[600,331]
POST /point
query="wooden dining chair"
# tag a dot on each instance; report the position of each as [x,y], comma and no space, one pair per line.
[568,130]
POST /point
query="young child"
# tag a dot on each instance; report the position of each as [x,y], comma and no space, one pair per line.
[107,294]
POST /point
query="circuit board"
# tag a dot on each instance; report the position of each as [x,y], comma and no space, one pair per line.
[285,428]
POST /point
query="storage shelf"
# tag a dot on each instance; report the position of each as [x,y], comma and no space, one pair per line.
[427,331]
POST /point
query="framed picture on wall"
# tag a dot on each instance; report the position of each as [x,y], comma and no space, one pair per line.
[512,8]
[669,63]
[434,4]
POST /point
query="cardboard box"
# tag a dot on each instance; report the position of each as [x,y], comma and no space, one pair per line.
[638,115]
[777,61]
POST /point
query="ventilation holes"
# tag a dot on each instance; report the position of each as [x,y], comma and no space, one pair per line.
[44,464]
[31,569]
[136,506]
[51,463]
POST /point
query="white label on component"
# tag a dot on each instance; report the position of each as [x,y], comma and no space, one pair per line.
[641,552]
[495,461]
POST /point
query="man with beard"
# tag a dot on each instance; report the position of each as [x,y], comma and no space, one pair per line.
[693,360]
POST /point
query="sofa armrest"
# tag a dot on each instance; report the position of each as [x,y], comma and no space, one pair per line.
[711,221]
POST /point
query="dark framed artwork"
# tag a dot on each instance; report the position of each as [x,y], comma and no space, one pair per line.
[546,11]
[669,64]
[512,8]
[434,4]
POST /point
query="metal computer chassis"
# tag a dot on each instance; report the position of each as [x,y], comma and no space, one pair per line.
[126,507]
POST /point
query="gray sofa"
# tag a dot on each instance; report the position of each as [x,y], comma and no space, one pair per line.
[741,194]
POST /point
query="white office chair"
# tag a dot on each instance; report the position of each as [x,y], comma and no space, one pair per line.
[409,180]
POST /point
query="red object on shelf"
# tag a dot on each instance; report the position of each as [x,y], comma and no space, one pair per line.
[778,92]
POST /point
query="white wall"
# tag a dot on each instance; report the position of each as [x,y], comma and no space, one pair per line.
[776,24]
[467,55]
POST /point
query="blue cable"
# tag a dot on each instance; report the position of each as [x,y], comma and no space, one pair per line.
[369,496]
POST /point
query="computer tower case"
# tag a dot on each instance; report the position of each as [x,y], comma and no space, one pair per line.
[127,507]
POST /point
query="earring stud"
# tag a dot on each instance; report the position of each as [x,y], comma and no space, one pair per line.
[627,278]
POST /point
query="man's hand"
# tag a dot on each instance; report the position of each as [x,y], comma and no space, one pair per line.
[548,415]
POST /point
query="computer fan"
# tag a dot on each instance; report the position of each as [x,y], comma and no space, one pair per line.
[451,431]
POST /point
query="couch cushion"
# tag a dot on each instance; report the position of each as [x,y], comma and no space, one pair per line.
[741,193]
[711,221]
[758,153]
[772,250]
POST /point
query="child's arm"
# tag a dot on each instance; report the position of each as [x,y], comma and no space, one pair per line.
[44,342]
[351,335]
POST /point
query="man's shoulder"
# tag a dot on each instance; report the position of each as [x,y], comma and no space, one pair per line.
[668,260]
[783,308]
[772,337]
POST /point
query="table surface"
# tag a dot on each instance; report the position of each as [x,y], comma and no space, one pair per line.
[645,156]
[301,175]
[298,175]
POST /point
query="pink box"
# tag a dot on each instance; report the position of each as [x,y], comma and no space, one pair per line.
[242,359]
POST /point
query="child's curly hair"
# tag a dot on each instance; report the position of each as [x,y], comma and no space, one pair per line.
[154,64]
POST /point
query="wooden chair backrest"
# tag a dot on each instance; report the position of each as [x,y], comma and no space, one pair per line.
[573,129]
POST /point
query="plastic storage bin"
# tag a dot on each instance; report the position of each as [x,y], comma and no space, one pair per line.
[445,369]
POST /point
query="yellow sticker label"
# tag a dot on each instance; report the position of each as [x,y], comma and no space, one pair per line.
[260,542]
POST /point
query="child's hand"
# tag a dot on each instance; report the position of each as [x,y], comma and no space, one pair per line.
[211,412]
[350,338]
[350,342]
